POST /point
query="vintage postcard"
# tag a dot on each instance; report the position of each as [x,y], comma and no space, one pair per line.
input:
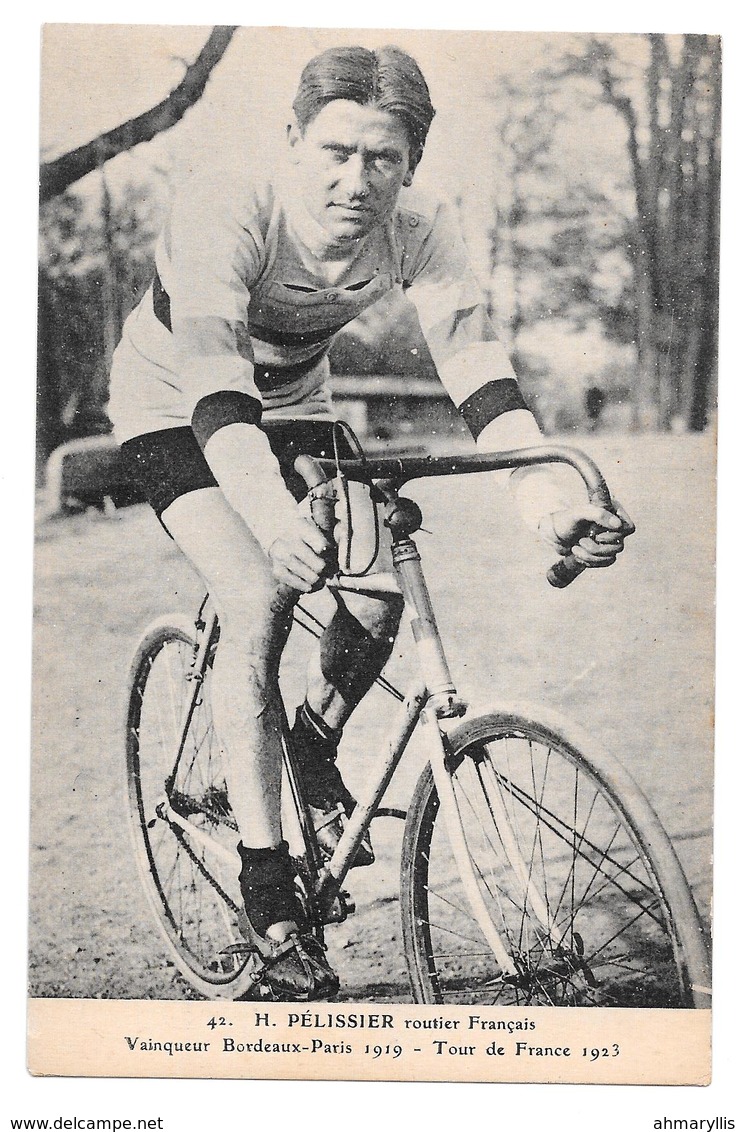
[373,679]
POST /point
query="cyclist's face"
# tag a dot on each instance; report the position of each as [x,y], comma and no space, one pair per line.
[352,162]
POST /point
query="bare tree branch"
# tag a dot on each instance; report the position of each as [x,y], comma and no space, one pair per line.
[58,175]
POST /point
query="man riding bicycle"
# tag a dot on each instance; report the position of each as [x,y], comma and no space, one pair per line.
[220,381]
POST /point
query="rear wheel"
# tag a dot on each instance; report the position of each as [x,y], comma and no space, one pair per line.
[192,886]
[576,871]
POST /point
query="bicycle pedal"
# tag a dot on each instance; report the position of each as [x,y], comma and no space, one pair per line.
[347,902]
[339,908]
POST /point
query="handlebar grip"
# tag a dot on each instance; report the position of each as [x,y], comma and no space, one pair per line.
[564,572]
[569,567]
[322,497]
[310,471]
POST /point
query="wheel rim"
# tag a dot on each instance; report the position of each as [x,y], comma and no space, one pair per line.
[195,894]
[565,879]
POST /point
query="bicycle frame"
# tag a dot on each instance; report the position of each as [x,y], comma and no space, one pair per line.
[432,696]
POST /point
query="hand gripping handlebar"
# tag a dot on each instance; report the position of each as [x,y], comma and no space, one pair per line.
[400,469]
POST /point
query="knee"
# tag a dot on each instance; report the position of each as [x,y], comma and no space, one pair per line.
[245,681]
[353,652]
[380,617]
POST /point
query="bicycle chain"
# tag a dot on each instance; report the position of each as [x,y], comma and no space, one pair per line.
[179,835]
[259,976]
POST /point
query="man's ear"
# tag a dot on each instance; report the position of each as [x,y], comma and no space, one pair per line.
[294,137]
[414,161]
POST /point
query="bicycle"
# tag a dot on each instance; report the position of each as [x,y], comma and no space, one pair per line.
[533,870]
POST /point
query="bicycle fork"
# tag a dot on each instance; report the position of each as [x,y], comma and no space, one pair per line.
[443,702]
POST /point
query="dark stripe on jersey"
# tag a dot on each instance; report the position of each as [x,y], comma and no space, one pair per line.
[162,311]
[291,338]
[267,378]
[228,406]
[489,402]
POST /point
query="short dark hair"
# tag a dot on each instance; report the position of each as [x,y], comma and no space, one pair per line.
[387,78]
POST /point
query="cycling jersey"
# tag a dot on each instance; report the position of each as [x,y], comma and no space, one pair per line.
[250,292]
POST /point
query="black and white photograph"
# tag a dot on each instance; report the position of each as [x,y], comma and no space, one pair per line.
[374,568]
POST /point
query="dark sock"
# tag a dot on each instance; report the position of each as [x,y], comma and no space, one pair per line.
[315,745]
[315,729]
[267,881]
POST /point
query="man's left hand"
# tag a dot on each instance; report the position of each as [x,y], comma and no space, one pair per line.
[590,533]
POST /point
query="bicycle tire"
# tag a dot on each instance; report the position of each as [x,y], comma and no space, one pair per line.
[195,896]
[611,920]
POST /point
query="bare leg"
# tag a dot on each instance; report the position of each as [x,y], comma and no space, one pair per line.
[255,616]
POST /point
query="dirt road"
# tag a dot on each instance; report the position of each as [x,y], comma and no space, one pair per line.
[629,652]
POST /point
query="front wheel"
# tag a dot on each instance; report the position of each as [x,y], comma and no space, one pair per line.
[575,869]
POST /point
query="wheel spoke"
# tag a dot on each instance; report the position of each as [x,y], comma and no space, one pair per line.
[564,832]
[578,903]
[452,931]
[440,896]
[196,899]
[488,842]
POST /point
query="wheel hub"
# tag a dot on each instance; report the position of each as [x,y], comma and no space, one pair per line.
[558,971]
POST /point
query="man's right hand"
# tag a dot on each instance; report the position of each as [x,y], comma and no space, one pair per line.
[301,557]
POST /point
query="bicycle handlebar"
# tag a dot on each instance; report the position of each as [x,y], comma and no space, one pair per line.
[402,469]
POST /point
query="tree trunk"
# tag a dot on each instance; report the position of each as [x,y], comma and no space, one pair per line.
[676,253]
[705,372]
[110,280]
[646,407]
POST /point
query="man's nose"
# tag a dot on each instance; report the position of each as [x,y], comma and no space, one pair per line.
[355,178]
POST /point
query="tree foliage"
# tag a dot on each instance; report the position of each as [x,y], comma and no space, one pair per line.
[635,256]
[95,263]
[673,148]
[553,259]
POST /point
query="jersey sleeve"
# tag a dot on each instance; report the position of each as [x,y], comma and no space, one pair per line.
[211,256]
[471,361]
[475,367]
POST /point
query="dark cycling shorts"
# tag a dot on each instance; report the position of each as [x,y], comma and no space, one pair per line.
[169,463]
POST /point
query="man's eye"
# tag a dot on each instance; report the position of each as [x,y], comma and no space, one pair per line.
[385,164]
